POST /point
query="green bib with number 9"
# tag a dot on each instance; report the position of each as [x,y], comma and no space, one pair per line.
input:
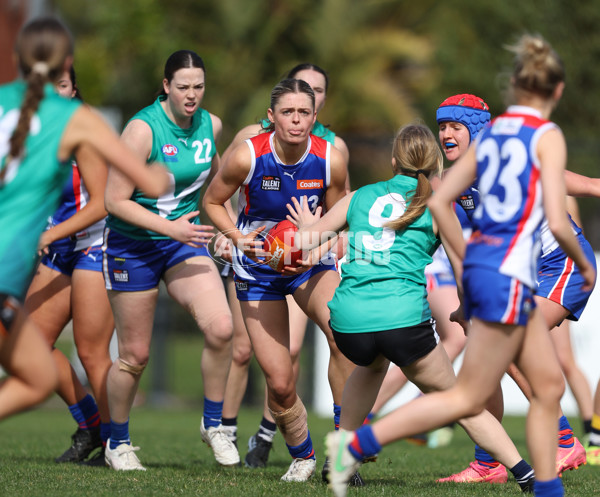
[383,283]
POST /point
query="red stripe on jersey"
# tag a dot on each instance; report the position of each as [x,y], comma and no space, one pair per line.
[261,144]
[533,179]
[247,195]
[318,146]
[557,292]
[528,119]
[514,302]
[77,188]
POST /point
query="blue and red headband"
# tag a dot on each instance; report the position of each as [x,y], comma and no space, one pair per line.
[469,110]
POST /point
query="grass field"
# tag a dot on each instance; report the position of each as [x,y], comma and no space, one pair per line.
[179,463]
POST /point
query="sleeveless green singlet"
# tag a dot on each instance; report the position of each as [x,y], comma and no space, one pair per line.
[32,185]
[187,153]
[383,283]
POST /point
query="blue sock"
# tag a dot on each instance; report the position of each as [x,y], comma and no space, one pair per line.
[369,417]
[337,411]
[551,488]
[364,443]
[213,411]
[104,432]
[304,450]
[565,433]
[484,458]
[119,434]
[85,413]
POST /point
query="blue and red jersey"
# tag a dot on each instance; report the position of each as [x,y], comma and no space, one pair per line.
[74,197]
[271,184]
[506,223]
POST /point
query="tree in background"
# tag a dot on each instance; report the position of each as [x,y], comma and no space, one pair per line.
[390,61]
[378,65]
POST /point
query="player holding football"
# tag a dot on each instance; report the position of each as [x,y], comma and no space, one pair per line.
[260,443]
[269,169]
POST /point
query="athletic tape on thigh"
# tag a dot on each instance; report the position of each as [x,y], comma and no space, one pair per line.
[292,423]
[130,368]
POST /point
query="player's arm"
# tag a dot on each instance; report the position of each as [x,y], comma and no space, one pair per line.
[340,144]
[137,136]
[217,127]
[573,210]
[455,181]
[93,172]
[314,230]
[581,186]
[225,183]
[552,153]
[337,184]
[240,137]
[88,127]
[454,258]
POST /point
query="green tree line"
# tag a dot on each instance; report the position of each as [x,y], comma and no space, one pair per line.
[389,61]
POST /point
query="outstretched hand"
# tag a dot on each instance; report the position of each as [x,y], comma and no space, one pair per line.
[300,214]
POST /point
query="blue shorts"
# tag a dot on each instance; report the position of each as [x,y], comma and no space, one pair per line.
[131,265]
[436,280]
[277,289]
[66,261]
[559,279]
[494,297]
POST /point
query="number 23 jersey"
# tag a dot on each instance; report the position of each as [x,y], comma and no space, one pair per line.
[506,223]
[270,185]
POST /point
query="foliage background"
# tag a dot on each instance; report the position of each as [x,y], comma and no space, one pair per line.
[389,61]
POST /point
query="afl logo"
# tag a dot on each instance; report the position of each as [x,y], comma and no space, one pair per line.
[169,150]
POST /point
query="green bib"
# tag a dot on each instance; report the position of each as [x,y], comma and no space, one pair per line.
[187,153]
[32,185]
[383,283]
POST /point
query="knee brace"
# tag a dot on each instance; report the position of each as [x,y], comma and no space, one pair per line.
[131,368]
[292,423]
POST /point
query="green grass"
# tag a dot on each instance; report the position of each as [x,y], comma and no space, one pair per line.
[179,463]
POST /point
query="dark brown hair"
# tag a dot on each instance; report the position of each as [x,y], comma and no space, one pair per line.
[42,48]
[182,59]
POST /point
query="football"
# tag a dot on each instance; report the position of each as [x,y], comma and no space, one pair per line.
[279,243]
